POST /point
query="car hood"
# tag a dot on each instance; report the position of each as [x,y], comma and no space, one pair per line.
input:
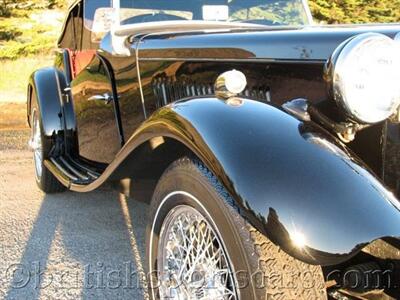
[267,43]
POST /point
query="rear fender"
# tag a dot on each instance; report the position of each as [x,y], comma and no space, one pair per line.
[44,92]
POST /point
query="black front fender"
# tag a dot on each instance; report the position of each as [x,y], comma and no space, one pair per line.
[293,180]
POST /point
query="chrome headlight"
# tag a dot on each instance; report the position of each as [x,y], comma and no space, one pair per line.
[364,75]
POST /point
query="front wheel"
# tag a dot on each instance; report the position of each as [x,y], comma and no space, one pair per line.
[200,247]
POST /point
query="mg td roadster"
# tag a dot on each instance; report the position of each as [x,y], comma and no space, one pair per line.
[267,147]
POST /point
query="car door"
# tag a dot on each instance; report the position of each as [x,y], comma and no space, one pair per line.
[94,99]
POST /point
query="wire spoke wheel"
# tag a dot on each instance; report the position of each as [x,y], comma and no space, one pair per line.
[200,246]
[192,263]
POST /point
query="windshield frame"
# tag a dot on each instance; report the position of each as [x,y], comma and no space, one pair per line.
[118,26]
[307,10]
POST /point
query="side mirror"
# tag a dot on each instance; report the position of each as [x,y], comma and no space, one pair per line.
[102,23]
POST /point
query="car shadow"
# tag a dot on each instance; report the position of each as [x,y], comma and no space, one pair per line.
[86,246]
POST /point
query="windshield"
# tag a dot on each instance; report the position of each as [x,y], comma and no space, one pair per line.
[262,12]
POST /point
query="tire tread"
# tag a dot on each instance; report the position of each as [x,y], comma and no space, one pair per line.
[263,255]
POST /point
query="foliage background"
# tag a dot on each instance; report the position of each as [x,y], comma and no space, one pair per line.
[30,27]
[356,11]
[29,30]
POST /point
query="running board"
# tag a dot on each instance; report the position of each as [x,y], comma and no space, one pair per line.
[72,171]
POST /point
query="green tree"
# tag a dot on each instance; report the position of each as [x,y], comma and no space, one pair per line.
[56,4]
[8,6]
[5,8]
[356,11]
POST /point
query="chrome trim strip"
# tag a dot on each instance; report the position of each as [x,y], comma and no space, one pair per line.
[253,60]
[71,168]
[63,170]
[138,74]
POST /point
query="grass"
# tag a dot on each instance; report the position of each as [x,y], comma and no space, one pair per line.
[14,76]
[27,38]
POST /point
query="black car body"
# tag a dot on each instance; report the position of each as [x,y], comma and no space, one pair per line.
[130,104]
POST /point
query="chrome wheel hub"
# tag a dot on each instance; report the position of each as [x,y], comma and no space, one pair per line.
[35,144]
[192,263]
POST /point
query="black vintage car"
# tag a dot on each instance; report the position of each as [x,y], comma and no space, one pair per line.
[267,147]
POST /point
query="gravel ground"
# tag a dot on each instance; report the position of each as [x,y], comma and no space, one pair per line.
[65,246]
[69,245]
[14,140]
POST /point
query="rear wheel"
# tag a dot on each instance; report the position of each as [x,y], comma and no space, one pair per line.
[200,246]
[40,147]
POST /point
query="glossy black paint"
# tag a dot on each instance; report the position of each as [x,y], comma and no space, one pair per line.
[96,122]
[282,179]
[301,45]
[115,98]
[391,153]
[46,85]
[285,175]
[70,132]
[127,88]
[287,62]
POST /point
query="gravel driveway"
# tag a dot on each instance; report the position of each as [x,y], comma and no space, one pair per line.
[69,245]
